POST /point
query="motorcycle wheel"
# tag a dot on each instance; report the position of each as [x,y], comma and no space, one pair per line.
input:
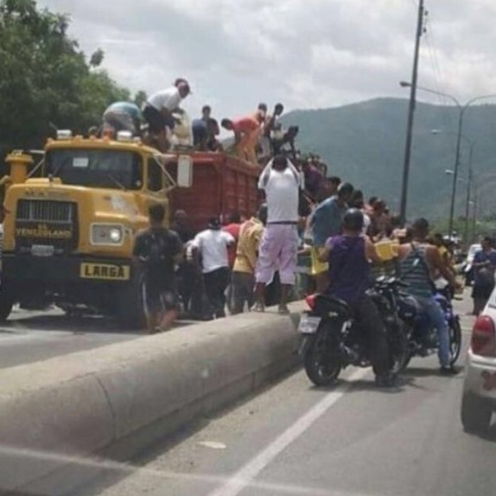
[320,369]
[398,342]
[408,358]
[455,339]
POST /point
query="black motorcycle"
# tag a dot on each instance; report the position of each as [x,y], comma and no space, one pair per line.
[333,339]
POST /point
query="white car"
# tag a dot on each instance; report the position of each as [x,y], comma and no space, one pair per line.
[479,388]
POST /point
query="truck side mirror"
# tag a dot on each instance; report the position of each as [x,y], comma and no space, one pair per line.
[184,171]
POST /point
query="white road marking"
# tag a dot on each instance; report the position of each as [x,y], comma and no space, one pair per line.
[17,458]
[213,445]
[246,475]
[31,337]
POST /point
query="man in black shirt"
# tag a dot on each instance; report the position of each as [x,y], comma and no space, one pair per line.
[180,225]
[188,275]
[157,250]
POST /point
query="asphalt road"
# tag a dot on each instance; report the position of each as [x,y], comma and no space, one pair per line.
[295,439]
[34,336]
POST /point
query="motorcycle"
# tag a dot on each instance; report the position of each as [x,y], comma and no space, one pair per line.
[333,338]
[422,337]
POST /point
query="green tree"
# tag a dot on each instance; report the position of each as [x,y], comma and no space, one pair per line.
[97,58]
[46,77]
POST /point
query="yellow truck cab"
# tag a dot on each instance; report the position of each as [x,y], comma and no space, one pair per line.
[68,235]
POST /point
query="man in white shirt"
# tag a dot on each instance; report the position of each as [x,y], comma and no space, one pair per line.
[211,245]
[159,107]
[278,249]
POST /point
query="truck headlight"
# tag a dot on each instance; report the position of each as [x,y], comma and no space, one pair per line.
[107,234]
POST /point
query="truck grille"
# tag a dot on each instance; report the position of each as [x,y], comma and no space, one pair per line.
[45,211]
[51,225]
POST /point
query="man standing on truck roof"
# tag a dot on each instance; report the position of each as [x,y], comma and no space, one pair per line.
[158,249]
[122,116]
[246,132]
[159,107]
[212,248]
[205,131]
[266,134]
[286,143]
[281,182]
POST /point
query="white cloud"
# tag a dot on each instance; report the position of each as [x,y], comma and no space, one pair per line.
[305,53]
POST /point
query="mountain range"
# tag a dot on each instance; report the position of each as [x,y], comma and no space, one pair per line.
[364,143]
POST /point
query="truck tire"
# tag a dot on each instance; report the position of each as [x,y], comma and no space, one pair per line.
[7,301]
[132,312]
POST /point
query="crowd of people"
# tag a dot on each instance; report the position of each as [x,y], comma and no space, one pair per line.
[340,232]
[306,213]
[162,123]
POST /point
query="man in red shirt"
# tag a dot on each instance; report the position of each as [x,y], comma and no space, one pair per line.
[246,132]
[233,228]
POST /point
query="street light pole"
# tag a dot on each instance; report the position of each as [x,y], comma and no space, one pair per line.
[469,179]
[461,109]
[411,113]
[475,213]
[469,192]
[455,173]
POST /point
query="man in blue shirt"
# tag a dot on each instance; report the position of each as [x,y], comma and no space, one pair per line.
[326,222]
[122,116]
[484,265]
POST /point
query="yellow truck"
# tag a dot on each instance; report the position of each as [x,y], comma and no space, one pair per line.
[71,220]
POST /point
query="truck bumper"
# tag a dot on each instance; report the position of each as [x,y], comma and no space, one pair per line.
[19,269]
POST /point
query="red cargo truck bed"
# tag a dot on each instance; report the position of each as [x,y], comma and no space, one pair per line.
[221,184]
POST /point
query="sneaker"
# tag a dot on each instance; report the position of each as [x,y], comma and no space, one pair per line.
[384,381]
[448,370]
[258,307]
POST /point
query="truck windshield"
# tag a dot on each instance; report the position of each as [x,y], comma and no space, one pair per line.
[96,168]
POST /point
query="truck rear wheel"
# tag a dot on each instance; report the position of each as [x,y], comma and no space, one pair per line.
[7,301]
[132,312]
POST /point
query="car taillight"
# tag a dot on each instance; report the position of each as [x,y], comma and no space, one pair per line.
[483,341]
[310,300]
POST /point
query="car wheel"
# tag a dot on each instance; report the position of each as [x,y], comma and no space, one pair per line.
[476,413]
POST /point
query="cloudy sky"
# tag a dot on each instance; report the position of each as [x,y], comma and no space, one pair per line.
[305,53]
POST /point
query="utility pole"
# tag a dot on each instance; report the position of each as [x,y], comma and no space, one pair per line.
[411,112]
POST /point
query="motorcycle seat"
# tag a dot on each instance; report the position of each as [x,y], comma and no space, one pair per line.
[329,304]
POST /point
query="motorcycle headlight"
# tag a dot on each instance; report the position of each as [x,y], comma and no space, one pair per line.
[107,234]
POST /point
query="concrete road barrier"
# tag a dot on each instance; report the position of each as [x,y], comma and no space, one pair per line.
[116,400]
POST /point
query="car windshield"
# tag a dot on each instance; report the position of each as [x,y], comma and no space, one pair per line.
[97,168]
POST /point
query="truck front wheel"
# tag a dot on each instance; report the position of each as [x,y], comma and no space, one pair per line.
[7,300]
[131,312]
